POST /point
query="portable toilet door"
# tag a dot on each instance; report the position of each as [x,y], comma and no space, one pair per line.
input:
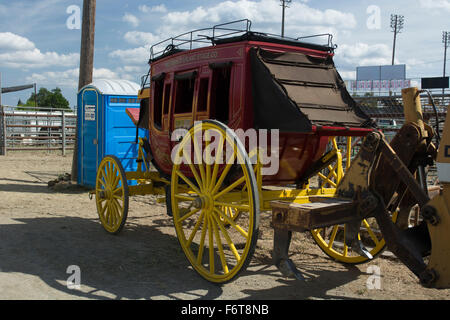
[89,103]
[104,127]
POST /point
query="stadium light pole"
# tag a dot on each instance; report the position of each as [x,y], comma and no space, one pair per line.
[446,42]
[397,24]
[284,4]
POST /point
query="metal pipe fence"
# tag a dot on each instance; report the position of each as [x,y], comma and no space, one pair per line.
[45,129]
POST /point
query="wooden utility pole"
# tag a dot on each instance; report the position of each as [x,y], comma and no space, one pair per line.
[86,63]
[284,4]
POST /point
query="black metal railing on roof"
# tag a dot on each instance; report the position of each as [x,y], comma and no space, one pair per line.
[211,36]
[189,40]
[327,35]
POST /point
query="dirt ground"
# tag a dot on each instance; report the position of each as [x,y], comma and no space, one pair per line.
[44,231]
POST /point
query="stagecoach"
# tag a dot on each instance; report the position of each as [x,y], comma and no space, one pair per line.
[224,106]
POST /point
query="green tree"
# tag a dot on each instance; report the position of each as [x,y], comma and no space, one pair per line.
[48,99]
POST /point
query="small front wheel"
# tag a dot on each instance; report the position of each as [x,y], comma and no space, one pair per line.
[111,194]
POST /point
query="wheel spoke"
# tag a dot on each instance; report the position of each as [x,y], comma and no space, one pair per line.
[217,163]
[345,253]
[219,246]
[232,223]
[207,160]
[108,214]
[193,187]
[115,183]
[185,198]
[227,238]
[333,236]
[228,206]
[188,215]
[108,172]
[114,213]
[102,180]
[225,172]
[202,240]
[229,188]
[194,172]
[116,191]
[103,210]
[119,209]
[199,158]
[211,246]
[196,227]
[371,233]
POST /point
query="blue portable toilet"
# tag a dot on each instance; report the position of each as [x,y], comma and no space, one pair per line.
[104,128]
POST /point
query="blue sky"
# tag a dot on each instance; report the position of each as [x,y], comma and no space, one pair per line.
[36,45]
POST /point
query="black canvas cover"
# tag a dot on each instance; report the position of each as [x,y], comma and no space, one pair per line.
[293,91]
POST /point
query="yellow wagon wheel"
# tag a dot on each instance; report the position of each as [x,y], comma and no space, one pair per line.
[111,193]
[330,240]
[212,174]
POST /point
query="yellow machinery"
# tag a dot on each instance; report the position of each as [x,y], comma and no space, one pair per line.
[385,181]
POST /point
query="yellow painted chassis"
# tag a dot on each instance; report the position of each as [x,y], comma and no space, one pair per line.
[151,183]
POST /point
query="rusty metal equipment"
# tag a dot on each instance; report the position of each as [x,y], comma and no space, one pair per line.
[382,179]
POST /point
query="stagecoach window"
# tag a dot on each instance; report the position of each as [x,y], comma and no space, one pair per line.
[220,94]
[184,95]
[166,98]
[202,104]
[114,100]
[157,103]
[122,100]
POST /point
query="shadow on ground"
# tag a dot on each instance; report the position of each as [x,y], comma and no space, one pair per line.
[133,265]
[141,263]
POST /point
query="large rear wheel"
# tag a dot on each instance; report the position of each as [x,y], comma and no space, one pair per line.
[212,180]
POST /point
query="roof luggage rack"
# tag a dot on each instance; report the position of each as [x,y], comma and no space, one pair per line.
[238,30]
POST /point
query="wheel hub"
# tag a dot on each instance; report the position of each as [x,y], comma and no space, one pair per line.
[205,201]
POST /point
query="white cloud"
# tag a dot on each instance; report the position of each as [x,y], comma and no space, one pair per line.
[69,78]
[19,52]
[363,54]
[141,38]
[262,11]
[348,75]
[435,4]
[10,41]
[136,56]
[131,19]
[36,59]
[156,9]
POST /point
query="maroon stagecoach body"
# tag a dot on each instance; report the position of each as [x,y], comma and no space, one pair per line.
[252,81]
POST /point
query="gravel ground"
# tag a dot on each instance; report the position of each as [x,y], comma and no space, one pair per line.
[44,231]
